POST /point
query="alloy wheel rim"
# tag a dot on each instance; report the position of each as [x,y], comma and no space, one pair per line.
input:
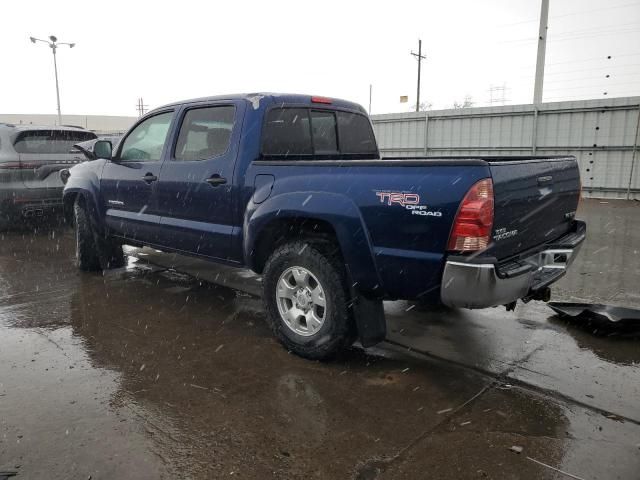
[301,301]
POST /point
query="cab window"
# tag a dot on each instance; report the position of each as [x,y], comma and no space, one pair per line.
[356,134]
[205,133]
[287,133]
[323,128]
[315,133]
[146,142]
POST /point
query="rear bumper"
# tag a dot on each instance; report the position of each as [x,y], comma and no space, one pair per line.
[469,284]
[22,202]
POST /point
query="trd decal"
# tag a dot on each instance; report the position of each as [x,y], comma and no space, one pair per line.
[409,201]
[398,198]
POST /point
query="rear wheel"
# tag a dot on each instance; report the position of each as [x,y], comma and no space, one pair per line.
[94,252]
[306,300]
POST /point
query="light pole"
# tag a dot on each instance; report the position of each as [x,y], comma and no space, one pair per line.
[53,44]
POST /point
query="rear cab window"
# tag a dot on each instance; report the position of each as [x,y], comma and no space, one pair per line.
[324,132]
[356,135]
[311,133]
[287,132]
[50,141]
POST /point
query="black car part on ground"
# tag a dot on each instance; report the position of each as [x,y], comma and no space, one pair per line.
[605,318]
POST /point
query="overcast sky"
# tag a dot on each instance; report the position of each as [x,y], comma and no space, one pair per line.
[167,51]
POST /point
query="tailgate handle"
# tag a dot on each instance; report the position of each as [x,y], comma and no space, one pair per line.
[544,180]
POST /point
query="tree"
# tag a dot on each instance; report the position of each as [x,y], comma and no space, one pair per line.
[466,103]
[424,106]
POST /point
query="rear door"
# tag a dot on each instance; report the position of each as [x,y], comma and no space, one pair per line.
[535,202]
[128,182]
[43,153]
[196,194]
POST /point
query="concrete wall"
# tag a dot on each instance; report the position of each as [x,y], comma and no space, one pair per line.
[97,123]
[602,134]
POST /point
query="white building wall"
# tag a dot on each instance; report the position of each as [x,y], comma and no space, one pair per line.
[97,123]
[601,134]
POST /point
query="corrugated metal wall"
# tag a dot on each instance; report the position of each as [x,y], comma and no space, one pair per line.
[602,134]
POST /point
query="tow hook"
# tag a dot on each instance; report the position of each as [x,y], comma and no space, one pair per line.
[544,295]
[511,306]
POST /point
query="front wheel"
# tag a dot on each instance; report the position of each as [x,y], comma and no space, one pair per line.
[306,300]
[93,252]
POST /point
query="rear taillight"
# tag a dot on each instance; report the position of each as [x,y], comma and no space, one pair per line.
[474,221]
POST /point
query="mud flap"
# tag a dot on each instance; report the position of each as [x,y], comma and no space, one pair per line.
[370,320]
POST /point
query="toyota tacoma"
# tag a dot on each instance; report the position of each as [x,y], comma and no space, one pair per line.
[293,187]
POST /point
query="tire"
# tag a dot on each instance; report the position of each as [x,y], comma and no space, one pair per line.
[94,253]
[294,304]
[5,220]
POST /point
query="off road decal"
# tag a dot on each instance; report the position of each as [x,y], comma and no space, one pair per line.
[409,201]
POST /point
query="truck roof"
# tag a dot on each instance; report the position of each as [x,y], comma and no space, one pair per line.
[275,98]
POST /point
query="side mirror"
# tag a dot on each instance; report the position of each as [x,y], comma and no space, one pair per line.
[103,149]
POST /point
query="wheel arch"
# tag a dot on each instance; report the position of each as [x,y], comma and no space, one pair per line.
[69,198]
[325,216]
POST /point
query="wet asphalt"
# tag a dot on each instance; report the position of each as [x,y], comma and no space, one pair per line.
[166,369]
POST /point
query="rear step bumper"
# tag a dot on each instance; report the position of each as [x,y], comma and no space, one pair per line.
[469,284]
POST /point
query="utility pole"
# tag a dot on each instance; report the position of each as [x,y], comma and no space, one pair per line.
[53,44]
[420,57]
[55,69]
[370,93]
[140,107]
[497,94]
[542,48]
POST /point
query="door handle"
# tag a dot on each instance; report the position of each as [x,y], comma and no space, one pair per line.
[150,177]
[216,180]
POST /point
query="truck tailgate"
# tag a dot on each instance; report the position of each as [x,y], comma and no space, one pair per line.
[535,202]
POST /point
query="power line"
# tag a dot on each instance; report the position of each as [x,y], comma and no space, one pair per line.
[585,60]
[608,67]
[573,87]
[600,28]
[600,77]
[634,4]
[591,59]
[577,34]
[553,17]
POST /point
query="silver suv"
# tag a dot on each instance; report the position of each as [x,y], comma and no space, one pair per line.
[30,160]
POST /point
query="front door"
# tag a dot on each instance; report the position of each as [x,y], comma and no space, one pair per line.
[129,181]
[196,189]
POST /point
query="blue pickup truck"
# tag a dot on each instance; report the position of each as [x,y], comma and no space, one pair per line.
[294,188]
